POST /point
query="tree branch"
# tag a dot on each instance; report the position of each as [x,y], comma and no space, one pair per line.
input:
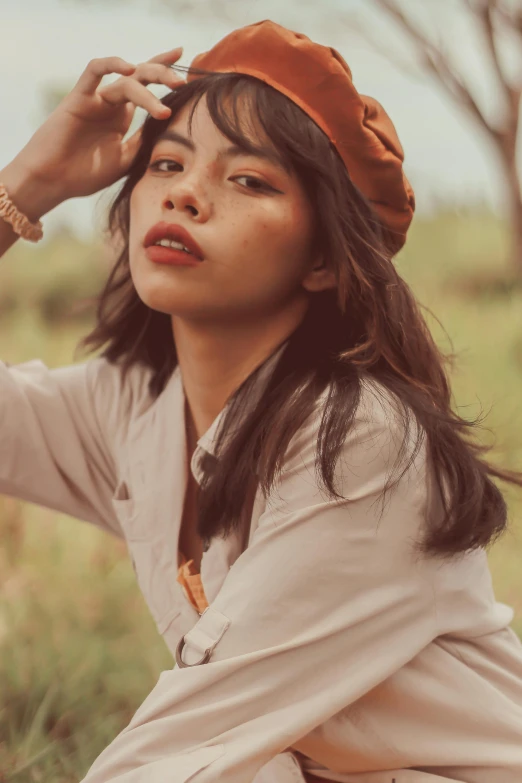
[436,61]
[484,12]
[484,9]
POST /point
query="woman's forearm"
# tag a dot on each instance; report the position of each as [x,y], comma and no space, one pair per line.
[31,197]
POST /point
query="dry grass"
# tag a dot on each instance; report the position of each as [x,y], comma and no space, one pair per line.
[78,649]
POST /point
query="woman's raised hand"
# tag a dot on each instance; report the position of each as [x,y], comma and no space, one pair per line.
[79,149]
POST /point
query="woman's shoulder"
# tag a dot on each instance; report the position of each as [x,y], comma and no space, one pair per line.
[109,381]
[119,398]
[383,435]
[377,409]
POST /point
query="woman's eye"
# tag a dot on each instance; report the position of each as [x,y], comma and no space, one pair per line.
[258,184]
[155,166]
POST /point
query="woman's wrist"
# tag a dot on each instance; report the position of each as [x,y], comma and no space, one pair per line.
[31,196]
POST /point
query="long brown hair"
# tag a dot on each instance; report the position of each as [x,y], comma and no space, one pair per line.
[370,325]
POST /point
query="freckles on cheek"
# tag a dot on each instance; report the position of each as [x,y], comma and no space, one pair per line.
[297,216]
[265,228]
[258,234]
[266,231]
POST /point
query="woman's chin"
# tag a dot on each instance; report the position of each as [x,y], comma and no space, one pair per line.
[160,292]
[171,302]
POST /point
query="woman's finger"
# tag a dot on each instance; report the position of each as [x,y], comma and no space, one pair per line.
[98,68]
[155,73]
[129,89]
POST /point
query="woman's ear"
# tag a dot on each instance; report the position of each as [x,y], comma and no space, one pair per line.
[319,278]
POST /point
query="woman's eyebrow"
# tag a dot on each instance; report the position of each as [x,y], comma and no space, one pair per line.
[266,153]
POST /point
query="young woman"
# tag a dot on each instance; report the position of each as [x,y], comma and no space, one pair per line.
[269,428]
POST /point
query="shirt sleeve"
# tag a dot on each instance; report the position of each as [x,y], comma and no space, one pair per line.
[328,600]
[57,445]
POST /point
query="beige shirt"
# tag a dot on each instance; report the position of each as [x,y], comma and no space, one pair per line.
[334,650]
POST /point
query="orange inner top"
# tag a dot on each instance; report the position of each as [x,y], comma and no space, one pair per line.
[190,580]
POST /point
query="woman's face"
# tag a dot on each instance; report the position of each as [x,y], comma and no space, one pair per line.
[250,217]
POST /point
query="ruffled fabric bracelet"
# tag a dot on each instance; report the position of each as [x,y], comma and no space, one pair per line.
[33,232]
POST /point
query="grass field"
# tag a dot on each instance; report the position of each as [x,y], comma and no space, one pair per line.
[78,650]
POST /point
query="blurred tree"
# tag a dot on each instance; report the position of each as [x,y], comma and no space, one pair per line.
[496,19]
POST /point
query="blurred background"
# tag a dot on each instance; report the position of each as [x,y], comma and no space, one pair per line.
[78,650]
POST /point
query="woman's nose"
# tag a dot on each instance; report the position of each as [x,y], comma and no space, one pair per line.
[189,193]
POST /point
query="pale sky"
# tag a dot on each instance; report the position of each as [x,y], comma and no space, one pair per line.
[50,42]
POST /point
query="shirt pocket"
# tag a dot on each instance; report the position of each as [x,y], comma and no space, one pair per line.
[132,513]
[148,554]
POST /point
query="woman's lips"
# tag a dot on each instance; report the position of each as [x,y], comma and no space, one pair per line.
[165,230]
[167,255]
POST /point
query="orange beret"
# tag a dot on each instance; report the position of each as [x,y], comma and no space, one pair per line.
[320,82]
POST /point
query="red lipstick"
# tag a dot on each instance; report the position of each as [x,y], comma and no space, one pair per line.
[163,230]
[168,255]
